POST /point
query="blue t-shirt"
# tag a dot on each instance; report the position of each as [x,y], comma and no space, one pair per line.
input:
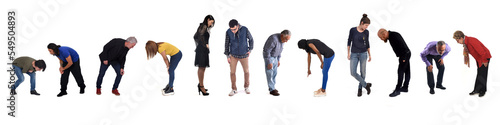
[65,51]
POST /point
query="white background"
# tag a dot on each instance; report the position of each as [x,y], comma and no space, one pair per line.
[87,25]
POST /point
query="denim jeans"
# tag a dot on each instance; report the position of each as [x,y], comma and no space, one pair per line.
[271,73]
[327,62]
[20,77]
[102,72]
[174,61]
[361,58]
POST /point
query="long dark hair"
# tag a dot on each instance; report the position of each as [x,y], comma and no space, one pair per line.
[205,21]
[54,48]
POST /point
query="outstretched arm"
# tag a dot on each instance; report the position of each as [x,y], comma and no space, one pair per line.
[308,64]
[317,53]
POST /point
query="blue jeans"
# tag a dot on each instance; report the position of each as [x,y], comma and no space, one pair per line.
[174,61]
[20,77]
[271,73]
[361,58]
[102,72]
[327,62]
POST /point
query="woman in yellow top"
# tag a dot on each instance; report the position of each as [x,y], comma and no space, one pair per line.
[175,56]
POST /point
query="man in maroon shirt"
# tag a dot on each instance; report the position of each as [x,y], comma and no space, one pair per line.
[482,55]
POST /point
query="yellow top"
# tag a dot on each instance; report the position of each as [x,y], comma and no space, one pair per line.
[168,48]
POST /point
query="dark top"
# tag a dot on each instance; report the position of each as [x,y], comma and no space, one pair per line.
[115,50]
[25,63]
[322,48]
[360,42]
[398,44]
[201,38]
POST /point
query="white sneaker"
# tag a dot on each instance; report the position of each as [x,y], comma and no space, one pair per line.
[233,92]
[247,90]
[319,93]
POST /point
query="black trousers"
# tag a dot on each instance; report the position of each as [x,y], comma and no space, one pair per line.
[77,73]
[403,72]
[430,75]
[481,78]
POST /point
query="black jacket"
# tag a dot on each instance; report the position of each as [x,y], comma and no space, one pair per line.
[115,50]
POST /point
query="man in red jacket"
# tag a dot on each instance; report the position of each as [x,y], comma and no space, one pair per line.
[482,55]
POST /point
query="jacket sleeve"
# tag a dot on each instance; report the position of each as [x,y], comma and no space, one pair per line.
[227,45]
[268,47]
[250,40]
[105,50]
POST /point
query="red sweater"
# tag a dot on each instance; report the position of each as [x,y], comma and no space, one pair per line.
[477,50]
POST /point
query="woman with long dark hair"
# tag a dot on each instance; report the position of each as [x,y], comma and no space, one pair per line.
[202,50]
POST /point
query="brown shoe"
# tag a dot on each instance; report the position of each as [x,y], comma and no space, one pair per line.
[274,93]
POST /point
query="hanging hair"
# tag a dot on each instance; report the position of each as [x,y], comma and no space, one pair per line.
[364,20]
[302,44]
[205,21]
[40,64]
[54,48]
[151,49]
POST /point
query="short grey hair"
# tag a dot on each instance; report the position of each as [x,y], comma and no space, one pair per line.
[131,39]
[286,33]
[441,43]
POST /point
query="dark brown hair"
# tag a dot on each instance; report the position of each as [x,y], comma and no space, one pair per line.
[364,19]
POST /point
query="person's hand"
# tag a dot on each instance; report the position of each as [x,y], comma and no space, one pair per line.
[321,65]
[404,60]
[485,64]
[369,58]
[269,66]
[30,71]
[105,62]
[229,60]
[429,68]
[308,73]
[61,70]
[248,53]
[348,56]
[168,65]
[207,46]
[122,72]
[279,63]
[441,61]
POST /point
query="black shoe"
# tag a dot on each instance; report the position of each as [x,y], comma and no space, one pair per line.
[481,94]
[274,93]
[368,90]
[34,92]
[62,93]
[432,91]
[13,92]
[82,90]
[360,92]
[403,90]
[168,91]
[394,94]
[205,93]
[473,93]
[441,87]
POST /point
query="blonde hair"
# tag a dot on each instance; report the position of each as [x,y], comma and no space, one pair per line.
[151,48]
[458,34]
